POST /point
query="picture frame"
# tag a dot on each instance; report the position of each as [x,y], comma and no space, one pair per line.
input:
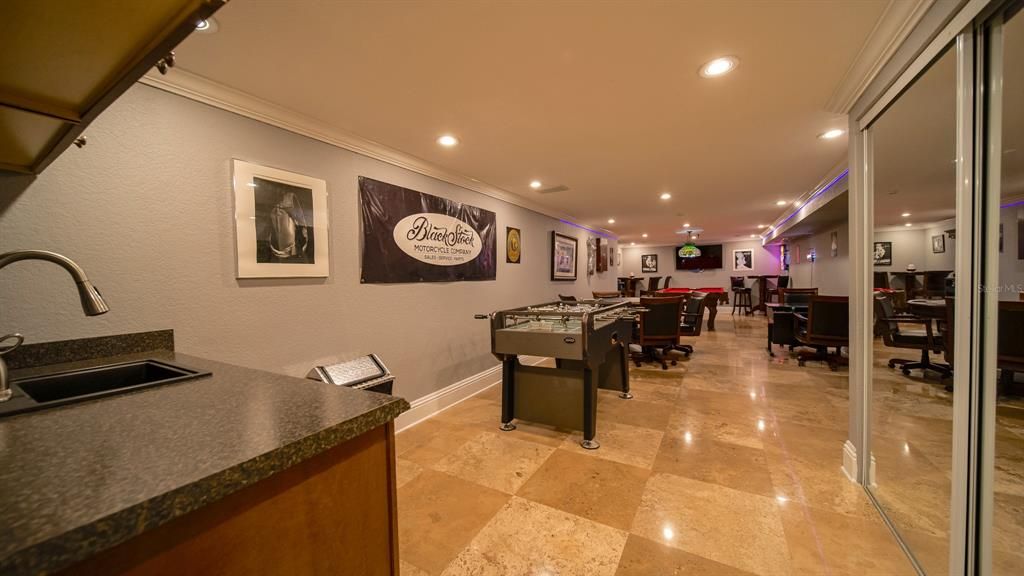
[602,256]
[513,245]
[742,260]
[564,256]
[835,243]
[281,223]
[883,253]
[648,263]
[938,244]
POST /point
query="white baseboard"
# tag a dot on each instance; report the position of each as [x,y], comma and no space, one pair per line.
[443,399]
[850,461]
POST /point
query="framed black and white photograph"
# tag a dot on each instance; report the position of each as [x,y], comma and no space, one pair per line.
[883,254]
[280,223]
[564,250]
[938,244]
[742,260]
[649,263]
[513,245]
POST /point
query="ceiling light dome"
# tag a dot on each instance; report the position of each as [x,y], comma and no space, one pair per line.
[831,134]
[447,140]
[719,66]
[535,184]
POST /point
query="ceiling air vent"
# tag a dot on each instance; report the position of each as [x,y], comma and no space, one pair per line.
[553,189]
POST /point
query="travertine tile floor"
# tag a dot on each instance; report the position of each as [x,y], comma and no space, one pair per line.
[729,463]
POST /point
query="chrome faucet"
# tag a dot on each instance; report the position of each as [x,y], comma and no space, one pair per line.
[92,302]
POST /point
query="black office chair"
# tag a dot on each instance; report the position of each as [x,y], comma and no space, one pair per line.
[693,320]
[935,284]
[741,295]
[658,330]
[888,322]
[826,325]
[564,298]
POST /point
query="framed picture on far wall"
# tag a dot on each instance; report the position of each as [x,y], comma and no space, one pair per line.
[280,223]
[649,263]
[938,244]
[742,260]
[513,245]
[883,254]
[564,250]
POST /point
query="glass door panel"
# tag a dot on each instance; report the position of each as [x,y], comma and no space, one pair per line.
[915,234]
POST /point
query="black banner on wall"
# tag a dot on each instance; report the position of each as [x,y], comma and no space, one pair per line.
[409,236]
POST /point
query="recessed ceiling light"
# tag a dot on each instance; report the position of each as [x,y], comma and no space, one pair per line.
[760,226]
[719,66]
[686,225]
[535,184]
[781,203]
[632,243]
[206,26]
[447,140]
[665,195]
[611,220]
[645,235]
[831,134]
[753,235]
[905,214]
[909,224]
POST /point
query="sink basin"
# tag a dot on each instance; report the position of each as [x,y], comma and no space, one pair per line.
[61,388]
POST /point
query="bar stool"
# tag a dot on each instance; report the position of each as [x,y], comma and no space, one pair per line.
[741,296]
[652,283]
[668,279]
[775,295]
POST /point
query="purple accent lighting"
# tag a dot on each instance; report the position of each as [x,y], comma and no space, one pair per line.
[591,230]
[820,191]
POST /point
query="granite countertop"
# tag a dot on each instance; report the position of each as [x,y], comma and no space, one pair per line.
[79,479]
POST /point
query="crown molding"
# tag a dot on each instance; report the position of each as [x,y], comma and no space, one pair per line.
[894,25]
[194,87]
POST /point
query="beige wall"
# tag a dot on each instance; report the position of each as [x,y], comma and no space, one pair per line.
[147,209]
[830,274]
[766,261]
[1011,268]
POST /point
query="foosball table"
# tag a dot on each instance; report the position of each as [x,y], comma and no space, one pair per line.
[589,342]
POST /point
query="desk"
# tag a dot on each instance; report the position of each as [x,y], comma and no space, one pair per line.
[762,291]
[631,283]
[714,296]
[785,335]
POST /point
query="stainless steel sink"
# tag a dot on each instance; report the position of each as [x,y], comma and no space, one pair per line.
[62,388]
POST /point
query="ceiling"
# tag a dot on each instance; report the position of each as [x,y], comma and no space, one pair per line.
[914,141]
[603,98]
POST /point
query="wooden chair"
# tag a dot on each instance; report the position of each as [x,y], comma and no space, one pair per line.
[935,284]
[797,296]
[600,295]
[564,298]
[652,283]
[658,331]
[1010,348]
[668,280]
[882,280]
[826,325]
[888,322]
[741,295]
[692,321]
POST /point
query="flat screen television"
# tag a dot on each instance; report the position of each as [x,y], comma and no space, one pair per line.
[710,258]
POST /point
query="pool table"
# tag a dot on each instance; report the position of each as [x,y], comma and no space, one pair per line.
[714,296]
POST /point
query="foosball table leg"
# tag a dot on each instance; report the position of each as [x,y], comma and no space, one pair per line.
[589,411]
[508,397]
[624,367]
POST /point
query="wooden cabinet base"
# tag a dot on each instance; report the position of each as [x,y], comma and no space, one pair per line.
[332,514]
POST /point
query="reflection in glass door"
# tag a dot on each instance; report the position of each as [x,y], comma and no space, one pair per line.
[1004,378]
[915,235]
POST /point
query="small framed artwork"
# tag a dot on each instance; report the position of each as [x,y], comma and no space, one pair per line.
[513,245]
[883,254]
[280,223]
[742,260]
[938,244]
[649,263]
[564,250]
[602,256]
[835,243]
